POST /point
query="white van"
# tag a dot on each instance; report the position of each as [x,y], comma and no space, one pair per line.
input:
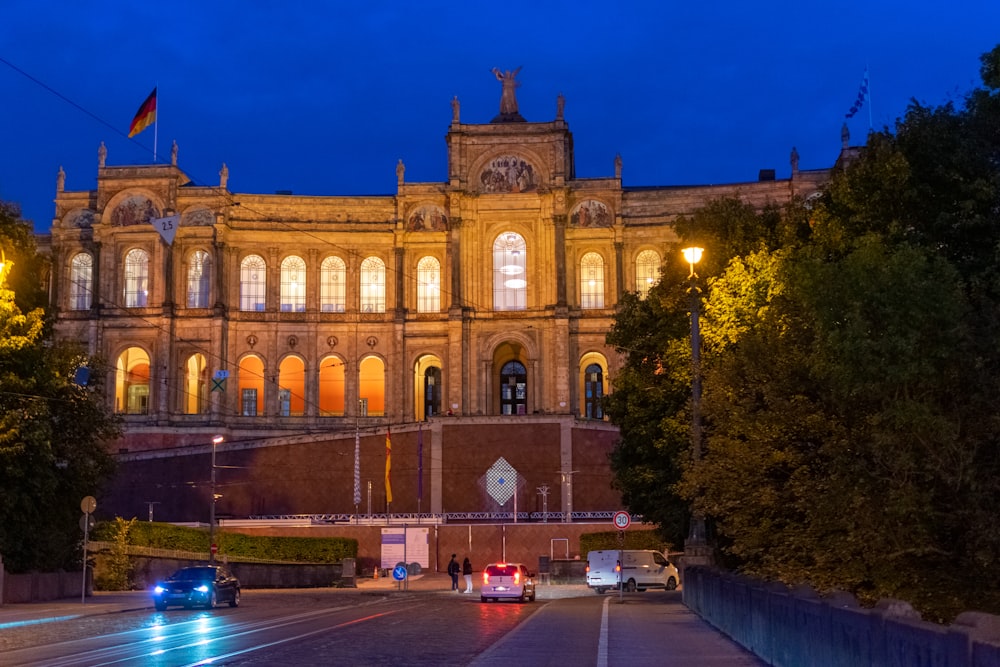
[640,569]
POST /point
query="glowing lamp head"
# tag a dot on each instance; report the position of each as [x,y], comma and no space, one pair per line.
[692,255]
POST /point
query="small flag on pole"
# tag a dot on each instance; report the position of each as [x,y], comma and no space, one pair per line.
[388,466]
[862,95]
[145,116]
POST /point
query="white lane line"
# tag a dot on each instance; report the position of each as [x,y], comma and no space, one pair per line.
[602,644]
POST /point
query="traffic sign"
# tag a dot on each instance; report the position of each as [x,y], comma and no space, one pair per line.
[399,572]
[88,505]
[215,548]
[622,520]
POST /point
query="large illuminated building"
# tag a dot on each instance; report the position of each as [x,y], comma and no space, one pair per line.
[466,316]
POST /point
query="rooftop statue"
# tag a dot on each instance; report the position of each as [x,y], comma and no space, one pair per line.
[508,97]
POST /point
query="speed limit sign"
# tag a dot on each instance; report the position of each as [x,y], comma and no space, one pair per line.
[622,520]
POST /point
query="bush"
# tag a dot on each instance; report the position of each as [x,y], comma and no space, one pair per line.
[234,545]
[634,539]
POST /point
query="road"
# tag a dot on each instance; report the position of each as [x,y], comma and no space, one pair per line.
[328,627]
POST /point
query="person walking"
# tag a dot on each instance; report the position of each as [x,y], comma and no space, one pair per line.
[453,569]
[467,572]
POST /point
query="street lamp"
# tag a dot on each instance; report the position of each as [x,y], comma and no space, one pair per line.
[211,517]
[696,549]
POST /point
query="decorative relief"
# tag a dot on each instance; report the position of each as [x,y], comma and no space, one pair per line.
[293,341]
[82,218]
[331,341]
[251,340]
[136,210]
[508,174]
[201,217]
[590,213]
[427,218]
[371,341]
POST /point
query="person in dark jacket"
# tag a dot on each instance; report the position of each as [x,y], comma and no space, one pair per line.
[467,571]
[453,569]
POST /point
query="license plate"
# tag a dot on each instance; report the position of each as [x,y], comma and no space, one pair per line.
[500,588]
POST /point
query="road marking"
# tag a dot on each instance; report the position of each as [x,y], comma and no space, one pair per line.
[602,644]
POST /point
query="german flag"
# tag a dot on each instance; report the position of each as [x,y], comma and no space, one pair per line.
[145,116]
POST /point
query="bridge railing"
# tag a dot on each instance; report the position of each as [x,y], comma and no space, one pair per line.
[791,627]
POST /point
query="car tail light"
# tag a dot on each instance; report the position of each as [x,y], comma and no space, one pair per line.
[486,577]
[517,578]
[587,569]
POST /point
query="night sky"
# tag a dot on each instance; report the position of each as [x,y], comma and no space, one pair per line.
[323,98]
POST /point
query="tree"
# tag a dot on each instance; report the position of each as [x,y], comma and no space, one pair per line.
[54,436]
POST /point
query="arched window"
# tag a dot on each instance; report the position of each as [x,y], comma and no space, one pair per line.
[592,281]
[510,284]
[132,382]
[291,387]
[333,285]
[647,271]
[513,389]
[81,277]
[136,278]
[195,398]
[372,285]
[593,392]
[293,285]
[371,387]
[253,283]
[198,279]
[331,387]
[428,285]
[251,386]
[432,392]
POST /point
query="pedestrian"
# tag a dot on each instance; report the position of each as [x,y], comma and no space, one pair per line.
[453,570]
[467,571]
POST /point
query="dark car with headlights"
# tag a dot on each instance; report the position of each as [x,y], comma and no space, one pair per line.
[205,585]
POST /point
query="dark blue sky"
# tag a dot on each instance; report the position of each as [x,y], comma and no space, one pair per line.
[324,97]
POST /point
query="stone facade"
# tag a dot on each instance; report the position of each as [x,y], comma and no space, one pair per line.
[478,304]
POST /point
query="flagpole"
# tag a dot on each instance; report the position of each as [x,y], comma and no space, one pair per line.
[869,100]
[156,120]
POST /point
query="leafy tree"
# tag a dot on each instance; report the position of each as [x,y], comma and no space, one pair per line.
[53,437]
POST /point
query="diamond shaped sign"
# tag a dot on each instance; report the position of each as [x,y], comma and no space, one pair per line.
[501,479]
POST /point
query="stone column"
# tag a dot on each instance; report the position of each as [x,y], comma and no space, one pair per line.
[560,251]
[455,261]
[400,257]
[619,271]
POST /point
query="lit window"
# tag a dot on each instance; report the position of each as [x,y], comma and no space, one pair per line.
[333,285]
[510,279]
[81,276]
[372,285]
[428,285]
[592,281]
[253,283]
[647,271]
[199,274]
[293,285]
[136,278]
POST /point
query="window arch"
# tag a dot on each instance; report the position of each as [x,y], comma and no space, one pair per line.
[513,389]
[593,392]
[510,284]
[647,271]
[132,382]
[199,275]
[81,278]
[291,387]
[331,387]
[428,285]
[592,281]
[333,285]
[195,387]
[293,285]
[251,386]
[136,278]
[253,283]
[372,285]
[371,387]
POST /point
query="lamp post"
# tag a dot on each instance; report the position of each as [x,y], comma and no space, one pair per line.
[696,549]
[211,517]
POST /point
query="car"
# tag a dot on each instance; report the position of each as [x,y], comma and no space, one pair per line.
[206,585]
[635,569]
[507,580]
